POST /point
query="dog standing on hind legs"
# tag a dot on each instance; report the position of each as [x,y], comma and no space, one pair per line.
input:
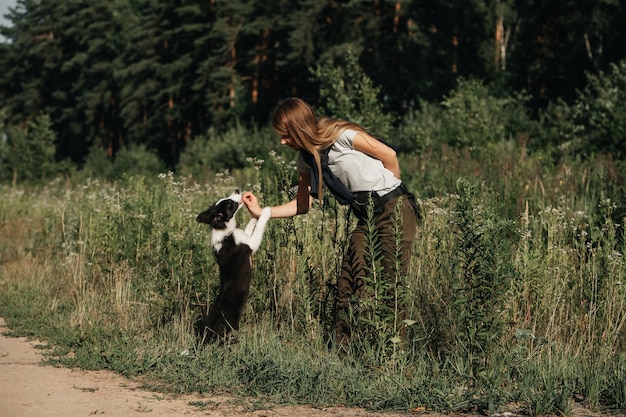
[233,248]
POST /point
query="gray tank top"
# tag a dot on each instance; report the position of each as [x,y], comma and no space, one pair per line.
[356,170]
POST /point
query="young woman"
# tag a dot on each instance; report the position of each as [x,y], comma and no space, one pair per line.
[359,170]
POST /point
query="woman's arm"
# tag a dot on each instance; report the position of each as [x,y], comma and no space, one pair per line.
[376,149]
[300,205]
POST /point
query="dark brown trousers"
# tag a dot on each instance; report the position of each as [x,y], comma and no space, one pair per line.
[355,263]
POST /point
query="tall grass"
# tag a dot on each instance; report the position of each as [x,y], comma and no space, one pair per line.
[515,294]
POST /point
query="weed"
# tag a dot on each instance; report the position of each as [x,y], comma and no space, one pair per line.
[112,275]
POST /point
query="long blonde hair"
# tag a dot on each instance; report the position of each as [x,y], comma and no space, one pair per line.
[294,118]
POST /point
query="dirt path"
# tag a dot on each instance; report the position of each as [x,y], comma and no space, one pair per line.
[30,389]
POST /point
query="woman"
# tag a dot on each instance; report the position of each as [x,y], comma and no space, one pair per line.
[359,170]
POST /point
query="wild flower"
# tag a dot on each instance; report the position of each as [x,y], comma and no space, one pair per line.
[256,163]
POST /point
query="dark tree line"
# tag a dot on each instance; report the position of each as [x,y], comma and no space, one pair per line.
[156,73]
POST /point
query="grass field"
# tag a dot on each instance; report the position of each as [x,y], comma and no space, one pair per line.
[516,291]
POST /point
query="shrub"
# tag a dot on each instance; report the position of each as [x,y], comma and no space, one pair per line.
[599,113]
[469,117]
[216,152]
[137,160]
[28,154]
[131,160]
[349,94]
[595,122]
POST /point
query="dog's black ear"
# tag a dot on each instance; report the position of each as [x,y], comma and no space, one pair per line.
[205,216]
[213,217]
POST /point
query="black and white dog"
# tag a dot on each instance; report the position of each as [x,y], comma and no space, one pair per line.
[233,248]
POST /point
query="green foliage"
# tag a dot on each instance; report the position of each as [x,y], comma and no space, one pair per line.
[478,119]
[97,164]
[594,122]
[349,94]
[590,380]
[28,154]
[422,129]
[472,116]
[550,386]
[615,390]
[469,117]
[483,271]
[131,160]
[153,73]
[599,112]
[134,160]
[114,274]
[232,149]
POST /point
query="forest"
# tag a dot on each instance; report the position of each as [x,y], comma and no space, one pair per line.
[121,120]
[154,75]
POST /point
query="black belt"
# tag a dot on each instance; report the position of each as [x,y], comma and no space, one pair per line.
[396,192]
[359,205]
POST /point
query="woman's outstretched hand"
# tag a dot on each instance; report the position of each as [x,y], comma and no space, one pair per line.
[252,204]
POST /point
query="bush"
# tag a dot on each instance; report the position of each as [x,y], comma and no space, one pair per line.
[422,129]
[470,117]
[131,160]
[216,152]
[134,160]
[594,123]
[349,94]
[599,113]
[28,154]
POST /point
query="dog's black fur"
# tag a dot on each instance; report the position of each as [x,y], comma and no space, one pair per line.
[233,249]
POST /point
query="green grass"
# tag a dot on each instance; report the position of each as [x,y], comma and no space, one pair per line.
[517,287]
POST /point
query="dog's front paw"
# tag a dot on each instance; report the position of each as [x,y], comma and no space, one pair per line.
[266,213]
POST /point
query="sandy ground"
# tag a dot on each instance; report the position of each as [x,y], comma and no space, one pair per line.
[30,389]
